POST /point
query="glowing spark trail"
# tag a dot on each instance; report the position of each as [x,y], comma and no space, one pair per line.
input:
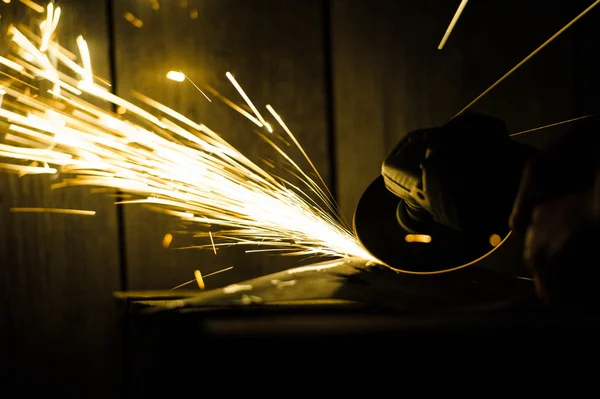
[49,25]
[34,6]
[550,125]
[162,159]
[453,22]
[196,86]
[247,99]
[212,241]
[54,210]
[234,106]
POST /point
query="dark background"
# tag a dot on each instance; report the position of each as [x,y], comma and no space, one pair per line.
[349,77]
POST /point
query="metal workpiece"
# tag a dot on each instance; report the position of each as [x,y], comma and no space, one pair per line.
[355,282]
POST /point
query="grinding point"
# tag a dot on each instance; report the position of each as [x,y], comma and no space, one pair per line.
[377,228]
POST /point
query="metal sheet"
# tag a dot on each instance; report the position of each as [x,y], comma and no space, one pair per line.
[358,281]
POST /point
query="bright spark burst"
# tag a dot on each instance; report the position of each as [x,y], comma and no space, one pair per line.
[165,160]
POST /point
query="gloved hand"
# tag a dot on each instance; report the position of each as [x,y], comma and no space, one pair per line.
[556,212]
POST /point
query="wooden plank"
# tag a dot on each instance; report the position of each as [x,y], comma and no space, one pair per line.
[390,78]
[58,271]
[275,51]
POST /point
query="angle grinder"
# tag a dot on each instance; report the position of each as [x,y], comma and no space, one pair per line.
[444,196]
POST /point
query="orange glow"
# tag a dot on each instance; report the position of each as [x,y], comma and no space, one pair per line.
[167,240]
[199,279]
[138,23]
[129,16]
[424,238]
[495,240]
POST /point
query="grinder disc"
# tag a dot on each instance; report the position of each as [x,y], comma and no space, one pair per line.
[440,249]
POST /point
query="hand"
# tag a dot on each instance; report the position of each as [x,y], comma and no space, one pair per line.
[555,212]
[558,247]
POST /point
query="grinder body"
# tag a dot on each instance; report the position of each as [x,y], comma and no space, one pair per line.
[455,183]
[464,175]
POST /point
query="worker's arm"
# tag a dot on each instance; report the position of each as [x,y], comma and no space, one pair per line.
[557,212]
[568,166]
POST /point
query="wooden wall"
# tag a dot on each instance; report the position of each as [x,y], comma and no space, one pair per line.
[57,271]
[350,77]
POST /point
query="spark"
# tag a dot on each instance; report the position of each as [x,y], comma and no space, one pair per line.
[524,278]
[212,241]
[19,80]
[282,284]
[194,14]
[177,76]
[293,138]
[167,240]
[54,210]
[88,75]
[550,125]
[11,64]
[163,160]
[233,288]
[23,170]
[314,268]
[537,50]
[234,106]
[138,23]
[48,26]
[208,275]
[196,86]
[199,279]
[34,6]
[219,271]
[495,240]
[247,99]
[453,22]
